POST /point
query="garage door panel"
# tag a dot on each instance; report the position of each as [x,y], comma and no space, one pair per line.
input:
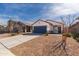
[40,29]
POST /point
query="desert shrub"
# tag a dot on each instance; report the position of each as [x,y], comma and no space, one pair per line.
[46,34]
[67,34]
[75,35]
[77,39]
[13,34]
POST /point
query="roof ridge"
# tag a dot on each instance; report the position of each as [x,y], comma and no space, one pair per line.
[55,21]
[43,21]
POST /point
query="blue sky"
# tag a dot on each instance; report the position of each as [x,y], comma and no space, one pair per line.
[34,11]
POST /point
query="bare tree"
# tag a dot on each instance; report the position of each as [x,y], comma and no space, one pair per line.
[61,46]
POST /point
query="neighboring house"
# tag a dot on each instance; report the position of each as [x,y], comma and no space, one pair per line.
[48,26]
[74,28]
[3,29]
[17,26]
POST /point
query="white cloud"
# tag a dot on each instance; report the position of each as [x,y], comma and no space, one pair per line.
[66,9]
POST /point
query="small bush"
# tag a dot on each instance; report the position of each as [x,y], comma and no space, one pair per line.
[46,34]
[77,39]
[75,36]
[13,34]
[67,34]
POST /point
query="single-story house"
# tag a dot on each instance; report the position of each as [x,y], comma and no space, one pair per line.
[48,26]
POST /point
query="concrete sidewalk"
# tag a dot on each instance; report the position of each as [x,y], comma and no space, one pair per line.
[4,51]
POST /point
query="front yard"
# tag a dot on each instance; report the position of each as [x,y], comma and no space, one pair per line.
[41,46]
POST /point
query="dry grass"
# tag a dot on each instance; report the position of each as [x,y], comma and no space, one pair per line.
[41,46]
[5,35]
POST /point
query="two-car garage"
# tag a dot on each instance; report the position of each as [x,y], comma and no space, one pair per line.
[40,29]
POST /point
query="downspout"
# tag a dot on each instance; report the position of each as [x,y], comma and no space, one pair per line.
[25,29]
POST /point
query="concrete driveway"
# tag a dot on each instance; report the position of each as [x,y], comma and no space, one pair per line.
[10,42]
[16,40]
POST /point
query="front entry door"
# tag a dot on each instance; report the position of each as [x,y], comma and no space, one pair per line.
[55,29]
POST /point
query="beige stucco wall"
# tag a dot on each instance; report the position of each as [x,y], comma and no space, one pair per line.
[41,23]
[57,24]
